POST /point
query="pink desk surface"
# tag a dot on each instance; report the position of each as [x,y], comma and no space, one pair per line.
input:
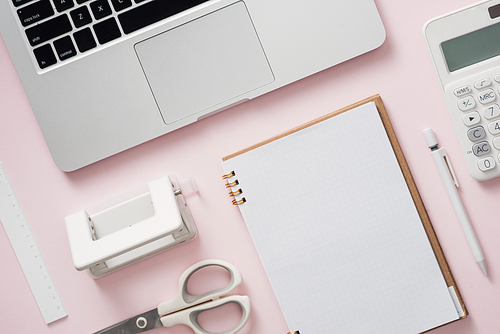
[400,71]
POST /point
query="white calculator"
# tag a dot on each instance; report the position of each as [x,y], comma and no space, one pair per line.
[465,49]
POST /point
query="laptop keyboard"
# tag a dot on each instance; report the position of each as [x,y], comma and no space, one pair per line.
[58,30]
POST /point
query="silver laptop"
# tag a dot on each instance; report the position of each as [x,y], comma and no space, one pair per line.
[105,75]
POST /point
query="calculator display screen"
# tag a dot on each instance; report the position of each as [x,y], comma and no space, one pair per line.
[472,48]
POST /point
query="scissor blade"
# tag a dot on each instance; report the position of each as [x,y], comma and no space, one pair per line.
[138,324]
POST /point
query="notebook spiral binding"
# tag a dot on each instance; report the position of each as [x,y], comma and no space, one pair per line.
[234,193]
[228,175]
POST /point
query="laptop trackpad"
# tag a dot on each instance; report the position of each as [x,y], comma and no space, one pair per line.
[204,62]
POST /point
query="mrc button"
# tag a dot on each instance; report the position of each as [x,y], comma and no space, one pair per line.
[486,96]
[476,133]
[481,148]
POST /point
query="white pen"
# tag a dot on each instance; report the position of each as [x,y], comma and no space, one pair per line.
[451,185]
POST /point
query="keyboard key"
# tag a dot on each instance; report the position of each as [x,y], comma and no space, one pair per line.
[152,12]
[18,3]
[81,1]
[48,30]
[64,48]
[44,56]
[35,12]
[80,16]
[107,31]
[100,8]
[62,5]
[121,4]
[84,40]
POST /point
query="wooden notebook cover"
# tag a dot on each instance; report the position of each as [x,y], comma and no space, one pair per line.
[431,234]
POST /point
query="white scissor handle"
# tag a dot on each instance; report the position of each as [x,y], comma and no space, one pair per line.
[190,316]
[184,300]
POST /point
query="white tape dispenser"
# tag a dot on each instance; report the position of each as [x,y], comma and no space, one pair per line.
[131,227]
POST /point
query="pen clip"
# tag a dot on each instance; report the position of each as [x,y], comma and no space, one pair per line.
[450,169]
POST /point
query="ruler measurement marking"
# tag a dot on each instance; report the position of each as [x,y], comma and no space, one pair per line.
[28,254]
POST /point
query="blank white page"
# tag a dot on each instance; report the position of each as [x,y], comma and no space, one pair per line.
[337,231]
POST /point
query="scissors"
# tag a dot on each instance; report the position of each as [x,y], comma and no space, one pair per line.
[185,308]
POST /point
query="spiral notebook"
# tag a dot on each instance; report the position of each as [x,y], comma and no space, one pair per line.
[341,229]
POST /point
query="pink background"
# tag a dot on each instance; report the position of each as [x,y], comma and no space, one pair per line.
[400,71]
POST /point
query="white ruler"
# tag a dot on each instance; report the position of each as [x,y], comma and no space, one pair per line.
[28,254]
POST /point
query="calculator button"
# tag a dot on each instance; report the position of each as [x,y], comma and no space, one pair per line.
[494,127]
[497,78]
[482,83]
[471,118]
[486,96]
[481,148]
[476,133]
[463,90]
[486,164]
[466,103]
[491,111]
[496,143]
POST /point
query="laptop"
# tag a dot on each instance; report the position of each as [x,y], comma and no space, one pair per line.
[105,75]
